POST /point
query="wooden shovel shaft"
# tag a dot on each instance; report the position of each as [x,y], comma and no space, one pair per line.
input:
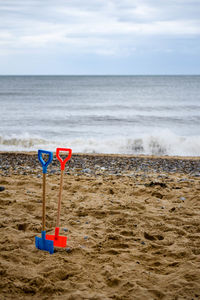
[60,198]
[44,202]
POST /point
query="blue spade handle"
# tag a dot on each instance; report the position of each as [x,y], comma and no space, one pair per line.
[43,163]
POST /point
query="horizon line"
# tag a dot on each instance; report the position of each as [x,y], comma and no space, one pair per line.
[177,74]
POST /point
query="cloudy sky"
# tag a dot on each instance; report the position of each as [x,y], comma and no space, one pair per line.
[99,37]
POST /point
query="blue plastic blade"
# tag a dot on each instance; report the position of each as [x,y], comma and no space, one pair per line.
[43,244]
[43,163]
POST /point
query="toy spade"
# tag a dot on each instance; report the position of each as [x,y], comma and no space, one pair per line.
[42,242]
[60,241]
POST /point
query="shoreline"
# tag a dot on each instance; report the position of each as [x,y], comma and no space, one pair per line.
[110,155]
[100,164]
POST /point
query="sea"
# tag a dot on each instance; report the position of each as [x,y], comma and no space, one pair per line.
[152,115]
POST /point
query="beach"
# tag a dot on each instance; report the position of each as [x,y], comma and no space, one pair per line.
[132,225]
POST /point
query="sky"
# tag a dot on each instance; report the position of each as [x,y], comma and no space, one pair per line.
[99,37]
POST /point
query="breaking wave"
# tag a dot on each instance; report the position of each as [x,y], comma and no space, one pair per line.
[162,143]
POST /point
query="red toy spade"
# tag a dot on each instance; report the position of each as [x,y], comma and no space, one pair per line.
[60,241]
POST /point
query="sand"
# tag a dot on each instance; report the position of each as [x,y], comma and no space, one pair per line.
[132,223]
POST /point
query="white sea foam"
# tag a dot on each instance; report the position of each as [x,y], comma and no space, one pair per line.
[158,143]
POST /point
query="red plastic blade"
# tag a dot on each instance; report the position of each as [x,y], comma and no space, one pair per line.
[58,240]
[63,162]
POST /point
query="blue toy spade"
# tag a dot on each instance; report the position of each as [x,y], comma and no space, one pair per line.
[41,242]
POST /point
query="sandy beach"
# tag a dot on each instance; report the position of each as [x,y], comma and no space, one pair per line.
[132,224]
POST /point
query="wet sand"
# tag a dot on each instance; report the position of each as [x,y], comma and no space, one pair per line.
[132,223]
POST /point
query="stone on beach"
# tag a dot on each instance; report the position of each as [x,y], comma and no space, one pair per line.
[2,188]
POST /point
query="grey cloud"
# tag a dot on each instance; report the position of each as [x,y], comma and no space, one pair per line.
[92,24]
[123,11]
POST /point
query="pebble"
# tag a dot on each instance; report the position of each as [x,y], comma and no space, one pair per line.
[68,250]
[163,176]
[86,170]
[85,237]
[118,165]
[65,229]
[143,243]
[182,198]
[196,175]
[2,188]
[82,246]
[172,209]
[53,171]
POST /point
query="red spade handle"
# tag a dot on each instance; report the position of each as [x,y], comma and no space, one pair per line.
[63,162]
